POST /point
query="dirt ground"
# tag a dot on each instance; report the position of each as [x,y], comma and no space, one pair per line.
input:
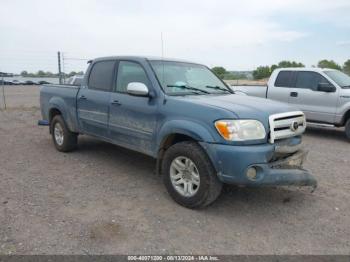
[102,199]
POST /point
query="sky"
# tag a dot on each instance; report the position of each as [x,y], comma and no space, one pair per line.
[238,35]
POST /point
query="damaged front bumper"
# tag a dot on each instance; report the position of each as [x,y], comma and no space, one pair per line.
[261,165]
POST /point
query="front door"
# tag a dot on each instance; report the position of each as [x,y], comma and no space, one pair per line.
[93,100]
[279,90]
[317,105]
[132,119]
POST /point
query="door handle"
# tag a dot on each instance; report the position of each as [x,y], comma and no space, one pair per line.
[294,94]
[115,103]
[83,97]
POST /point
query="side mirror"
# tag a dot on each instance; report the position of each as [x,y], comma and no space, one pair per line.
[137,89]
[326,87]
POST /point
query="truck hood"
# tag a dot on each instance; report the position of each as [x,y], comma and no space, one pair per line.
[244,106]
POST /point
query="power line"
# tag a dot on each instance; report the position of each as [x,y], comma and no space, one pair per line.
[17,61]
[78,59]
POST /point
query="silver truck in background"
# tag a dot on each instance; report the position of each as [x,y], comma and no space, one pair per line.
[322,94]
[76,80]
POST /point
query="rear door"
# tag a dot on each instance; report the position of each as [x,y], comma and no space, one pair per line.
[279,89]
[132,118]
[93,99]
[318,106]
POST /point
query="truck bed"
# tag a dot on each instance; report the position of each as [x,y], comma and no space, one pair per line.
[62,97]
[259,91]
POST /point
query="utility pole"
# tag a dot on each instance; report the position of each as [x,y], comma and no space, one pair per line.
[64,71]
[59,67]
[3,90]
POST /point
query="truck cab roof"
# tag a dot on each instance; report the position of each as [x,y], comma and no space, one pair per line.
[312,69]
[139,58]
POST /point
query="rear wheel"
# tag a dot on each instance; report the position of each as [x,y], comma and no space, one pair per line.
[64,140]
[347,129]
[189,176]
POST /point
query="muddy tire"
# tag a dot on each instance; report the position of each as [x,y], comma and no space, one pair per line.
[63,139]
[347,129]
[189,175]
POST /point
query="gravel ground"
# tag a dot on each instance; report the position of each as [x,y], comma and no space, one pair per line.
[102,199]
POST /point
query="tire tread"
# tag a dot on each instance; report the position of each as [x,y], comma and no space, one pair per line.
[347,129]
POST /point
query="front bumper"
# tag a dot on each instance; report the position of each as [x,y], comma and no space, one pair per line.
[275,165]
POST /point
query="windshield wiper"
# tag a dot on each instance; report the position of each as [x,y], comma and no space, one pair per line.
[347,86]
[220,88]
[189,88]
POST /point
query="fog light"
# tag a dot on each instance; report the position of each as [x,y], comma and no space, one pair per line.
[251,173]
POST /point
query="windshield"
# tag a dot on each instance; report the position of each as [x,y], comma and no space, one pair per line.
[340,78]
[179,78]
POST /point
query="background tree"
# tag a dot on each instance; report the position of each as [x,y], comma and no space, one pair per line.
[219,71]
[273,67]
[24,73]
[49,74]
[285,63]
[262,72]
[41,73]
[265,71]
[73,73]
[346,67]
[328,64]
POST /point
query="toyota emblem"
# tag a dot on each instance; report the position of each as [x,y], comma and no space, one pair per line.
[294,126]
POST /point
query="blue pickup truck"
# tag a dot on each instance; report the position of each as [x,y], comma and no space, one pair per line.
[183,115]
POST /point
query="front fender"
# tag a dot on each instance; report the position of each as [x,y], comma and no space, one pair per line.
[197,131]
[67,112]
[343,109]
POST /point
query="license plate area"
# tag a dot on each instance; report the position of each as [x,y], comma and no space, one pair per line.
[293,161]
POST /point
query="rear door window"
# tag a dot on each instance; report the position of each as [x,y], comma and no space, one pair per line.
[101,75]
[285,79]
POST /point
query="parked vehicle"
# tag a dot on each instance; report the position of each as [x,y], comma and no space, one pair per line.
[43,82]
[4,82]
[30,82]
[322,94]
[16,82]
[180,113]
[75,80]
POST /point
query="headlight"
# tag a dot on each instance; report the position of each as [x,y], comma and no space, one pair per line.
[240,130]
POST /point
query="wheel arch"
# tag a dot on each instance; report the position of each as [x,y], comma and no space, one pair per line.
[57,106]
[346,117]
[179,131]
[54,111]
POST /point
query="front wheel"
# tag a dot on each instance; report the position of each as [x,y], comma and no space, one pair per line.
[189,176]
[63,139]
[347,129]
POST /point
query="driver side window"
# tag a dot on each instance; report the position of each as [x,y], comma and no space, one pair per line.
[130,72]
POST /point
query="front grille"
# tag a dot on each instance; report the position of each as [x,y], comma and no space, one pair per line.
[286,125]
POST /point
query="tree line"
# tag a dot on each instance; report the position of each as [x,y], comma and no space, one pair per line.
[265,71]
[227,75]
[42,73]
